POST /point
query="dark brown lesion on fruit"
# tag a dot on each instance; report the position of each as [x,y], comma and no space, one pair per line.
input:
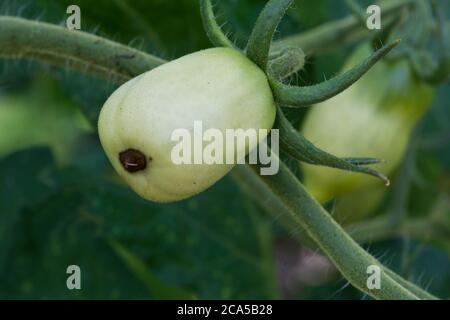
[133,160]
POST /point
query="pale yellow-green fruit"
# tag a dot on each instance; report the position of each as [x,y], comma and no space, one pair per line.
[372,118]
[220,87]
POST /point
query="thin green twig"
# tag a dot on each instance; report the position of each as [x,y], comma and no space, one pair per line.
[348,257]
[380,229]
[81,51]
[329,35]
[258,46]
[213,30]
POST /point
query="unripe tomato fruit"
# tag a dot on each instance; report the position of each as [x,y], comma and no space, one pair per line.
[220,87]
[373,118]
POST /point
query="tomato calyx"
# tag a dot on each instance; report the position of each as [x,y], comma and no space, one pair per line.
[278,66]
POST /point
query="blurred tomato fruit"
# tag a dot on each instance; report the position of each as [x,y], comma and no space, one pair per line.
[373,118]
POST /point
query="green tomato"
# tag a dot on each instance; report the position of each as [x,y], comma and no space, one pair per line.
[220,87]
[373,118]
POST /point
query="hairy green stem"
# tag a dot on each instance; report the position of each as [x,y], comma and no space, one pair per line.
[119,63]
[329,35]
[348,257]
[260,192]
[293,96]
[212,29]
[79,50]
[258,46]
[377,229]
[382,228]
[90,54]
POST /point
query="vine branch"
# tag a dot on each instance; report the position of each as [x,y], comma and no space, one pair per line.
[346,30]
[213,30]
[260,192]
[348,257]
[258,46]
[84,52]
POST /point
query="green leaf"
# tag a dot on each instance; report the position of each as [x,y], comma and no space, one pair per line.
[157,288]
[30,183]
[209,245]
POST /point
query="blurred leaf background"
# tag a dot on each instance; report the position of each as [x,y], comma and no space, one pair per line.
[61,203]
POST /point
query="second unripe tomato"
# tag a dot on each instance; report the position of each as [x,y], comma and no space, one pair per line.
[373,118]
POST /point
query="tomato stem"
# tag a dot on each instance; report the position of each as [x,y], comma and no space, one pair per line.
[328,36]
[79,50]
[348,257]
[212,28]
[258,45]
[252,184]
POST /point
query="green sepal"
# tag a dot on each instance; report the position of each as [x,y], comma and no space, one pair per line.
[293,96]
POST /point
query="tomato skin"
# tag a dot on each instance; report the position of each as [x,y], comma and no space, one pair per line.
[373,118]
[220,87]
